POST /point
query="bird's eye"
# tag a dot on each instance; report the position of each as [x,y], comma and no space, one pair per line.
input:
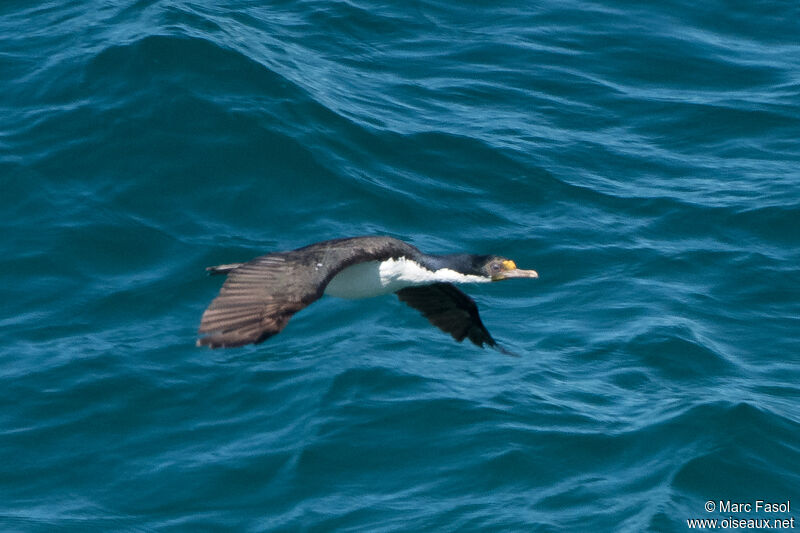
[495,267]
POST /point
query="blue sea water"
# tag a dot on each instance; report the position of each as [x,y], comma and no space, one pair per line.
[644,158]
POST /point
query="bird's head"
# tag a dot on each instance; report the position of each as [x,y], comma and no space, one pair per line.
[492,267]
[499,268]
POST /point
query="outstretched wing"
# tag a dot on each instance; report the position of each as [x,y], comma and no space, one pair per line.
[256,302]
[260,296]
[450,310]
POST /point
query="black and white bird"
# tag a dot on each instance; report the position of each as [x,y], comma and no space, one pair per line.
[260,296]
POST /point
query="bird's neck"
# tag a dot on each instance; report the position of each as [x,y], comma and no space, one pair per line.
[424,271]
[374,278]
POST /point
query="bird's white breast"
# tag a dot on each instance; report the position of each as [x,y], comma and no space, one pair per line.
[374,278]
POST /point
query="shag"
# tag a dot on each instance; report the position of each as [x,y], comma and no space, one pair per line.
[260,296]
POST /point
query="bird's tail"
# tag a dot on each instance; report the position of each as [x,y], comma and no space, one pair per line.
[223,269]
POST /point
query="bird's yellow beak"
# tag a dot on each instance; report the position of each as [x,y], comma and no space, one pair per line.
[511,271]
[517,273]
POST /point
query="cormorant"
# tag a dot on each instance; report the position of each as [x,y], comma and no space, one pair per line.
[260,296]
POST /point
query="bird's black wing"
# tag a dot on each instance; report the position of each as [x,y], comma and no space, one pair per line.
[259,297]
[450,310]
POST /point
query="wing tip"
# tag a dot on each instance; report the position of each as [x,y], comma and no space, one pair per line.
[210,341]
[505,351]
[231,339]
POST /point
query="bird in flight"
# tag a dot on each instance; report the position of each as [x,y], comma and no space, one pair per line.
[260,296]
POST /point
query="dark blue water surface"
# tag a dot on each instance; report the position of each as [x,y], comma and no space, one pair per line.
[645,159]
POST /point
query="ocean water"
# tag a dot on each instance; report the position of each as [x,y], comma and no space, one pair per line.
[645,159]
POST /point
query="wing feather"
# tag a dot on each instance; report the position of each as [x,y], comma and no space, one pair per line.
[450,310]
[259,297]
